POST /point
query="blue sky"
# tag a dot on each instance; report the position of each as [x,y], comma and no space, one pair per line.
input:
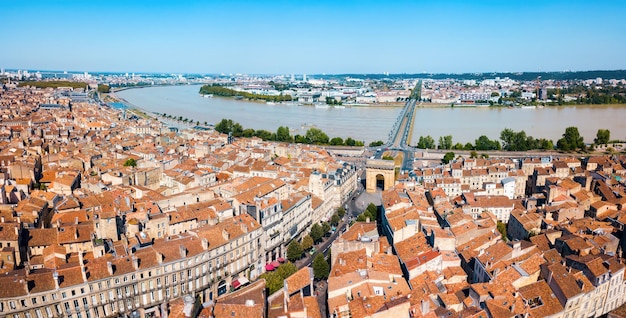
[313,36]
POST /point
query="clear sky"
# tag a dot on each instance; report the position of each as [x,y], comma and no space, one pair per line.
[301,36]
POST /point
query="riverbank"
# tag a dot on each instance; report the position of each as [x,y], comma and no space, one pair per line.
[371,123]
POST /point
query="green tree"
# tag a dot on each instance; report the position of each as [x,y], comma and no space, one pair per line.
[307,242]
[337,141]
[249,132]
[484,143]
[376,143]
[372,210]
[449,156]
[294,251]
[506,136]
[316,232]
[102,88]
[226,126]
[285,270]
[131,162]
[572,140]
[387,157]
[468,146]
[341,211]
[473,154]
[458,146]
[502,229]
[325,228]
[265,134]
[273,282]
[426,142]
[334,220]
[351,142]
[299,139]
[445,142]
[602,137]
[317,136]
[282,134]
[321,269]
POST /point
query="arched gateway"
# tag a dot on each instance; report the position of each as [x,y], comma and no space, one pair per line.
[381,173]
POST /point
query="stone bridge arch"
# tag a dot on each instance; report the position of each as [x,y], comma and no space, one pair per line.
[374,169]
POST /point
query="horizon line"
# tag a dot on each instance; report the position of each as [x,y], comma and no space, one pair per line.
[314,74]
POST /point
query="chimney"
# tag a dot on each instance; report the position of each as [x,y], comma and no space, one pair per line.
[110,268]
[76,220]
[55,276]
[225,234]
[367,220]
[135,262]
[83,271]
[183,251]
[205,244]
[159,258]
[1,219]
[425,306]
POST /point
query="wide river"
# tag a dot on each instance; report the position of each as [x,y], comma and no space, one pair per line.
[374,123]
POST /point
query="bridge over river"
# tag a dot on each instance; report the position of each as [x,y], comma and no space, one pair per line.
[400,134]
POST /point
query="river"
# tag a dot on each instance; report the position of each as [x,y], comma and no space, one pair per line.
[465,124]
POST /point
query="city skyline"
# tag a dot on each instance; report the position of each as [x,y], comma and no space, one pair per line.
[273,37]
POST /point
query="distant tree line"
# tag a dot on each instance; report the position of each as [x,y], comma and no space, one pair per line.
[313,136]
[517,141]
[590,95]
[219,90]
[53,84]
[518,76]
[102,88]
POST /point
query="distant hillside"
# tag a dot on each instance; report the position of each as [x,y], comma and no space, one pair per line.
[520,76]
[54,84]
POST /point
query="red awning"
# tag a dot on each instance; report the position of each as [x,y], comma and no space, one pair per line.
[280,259]
[275,264]
[269,267]
[240,282]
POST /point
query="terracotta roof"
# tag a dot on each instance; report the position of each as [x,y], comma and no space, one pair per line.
[299,280]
